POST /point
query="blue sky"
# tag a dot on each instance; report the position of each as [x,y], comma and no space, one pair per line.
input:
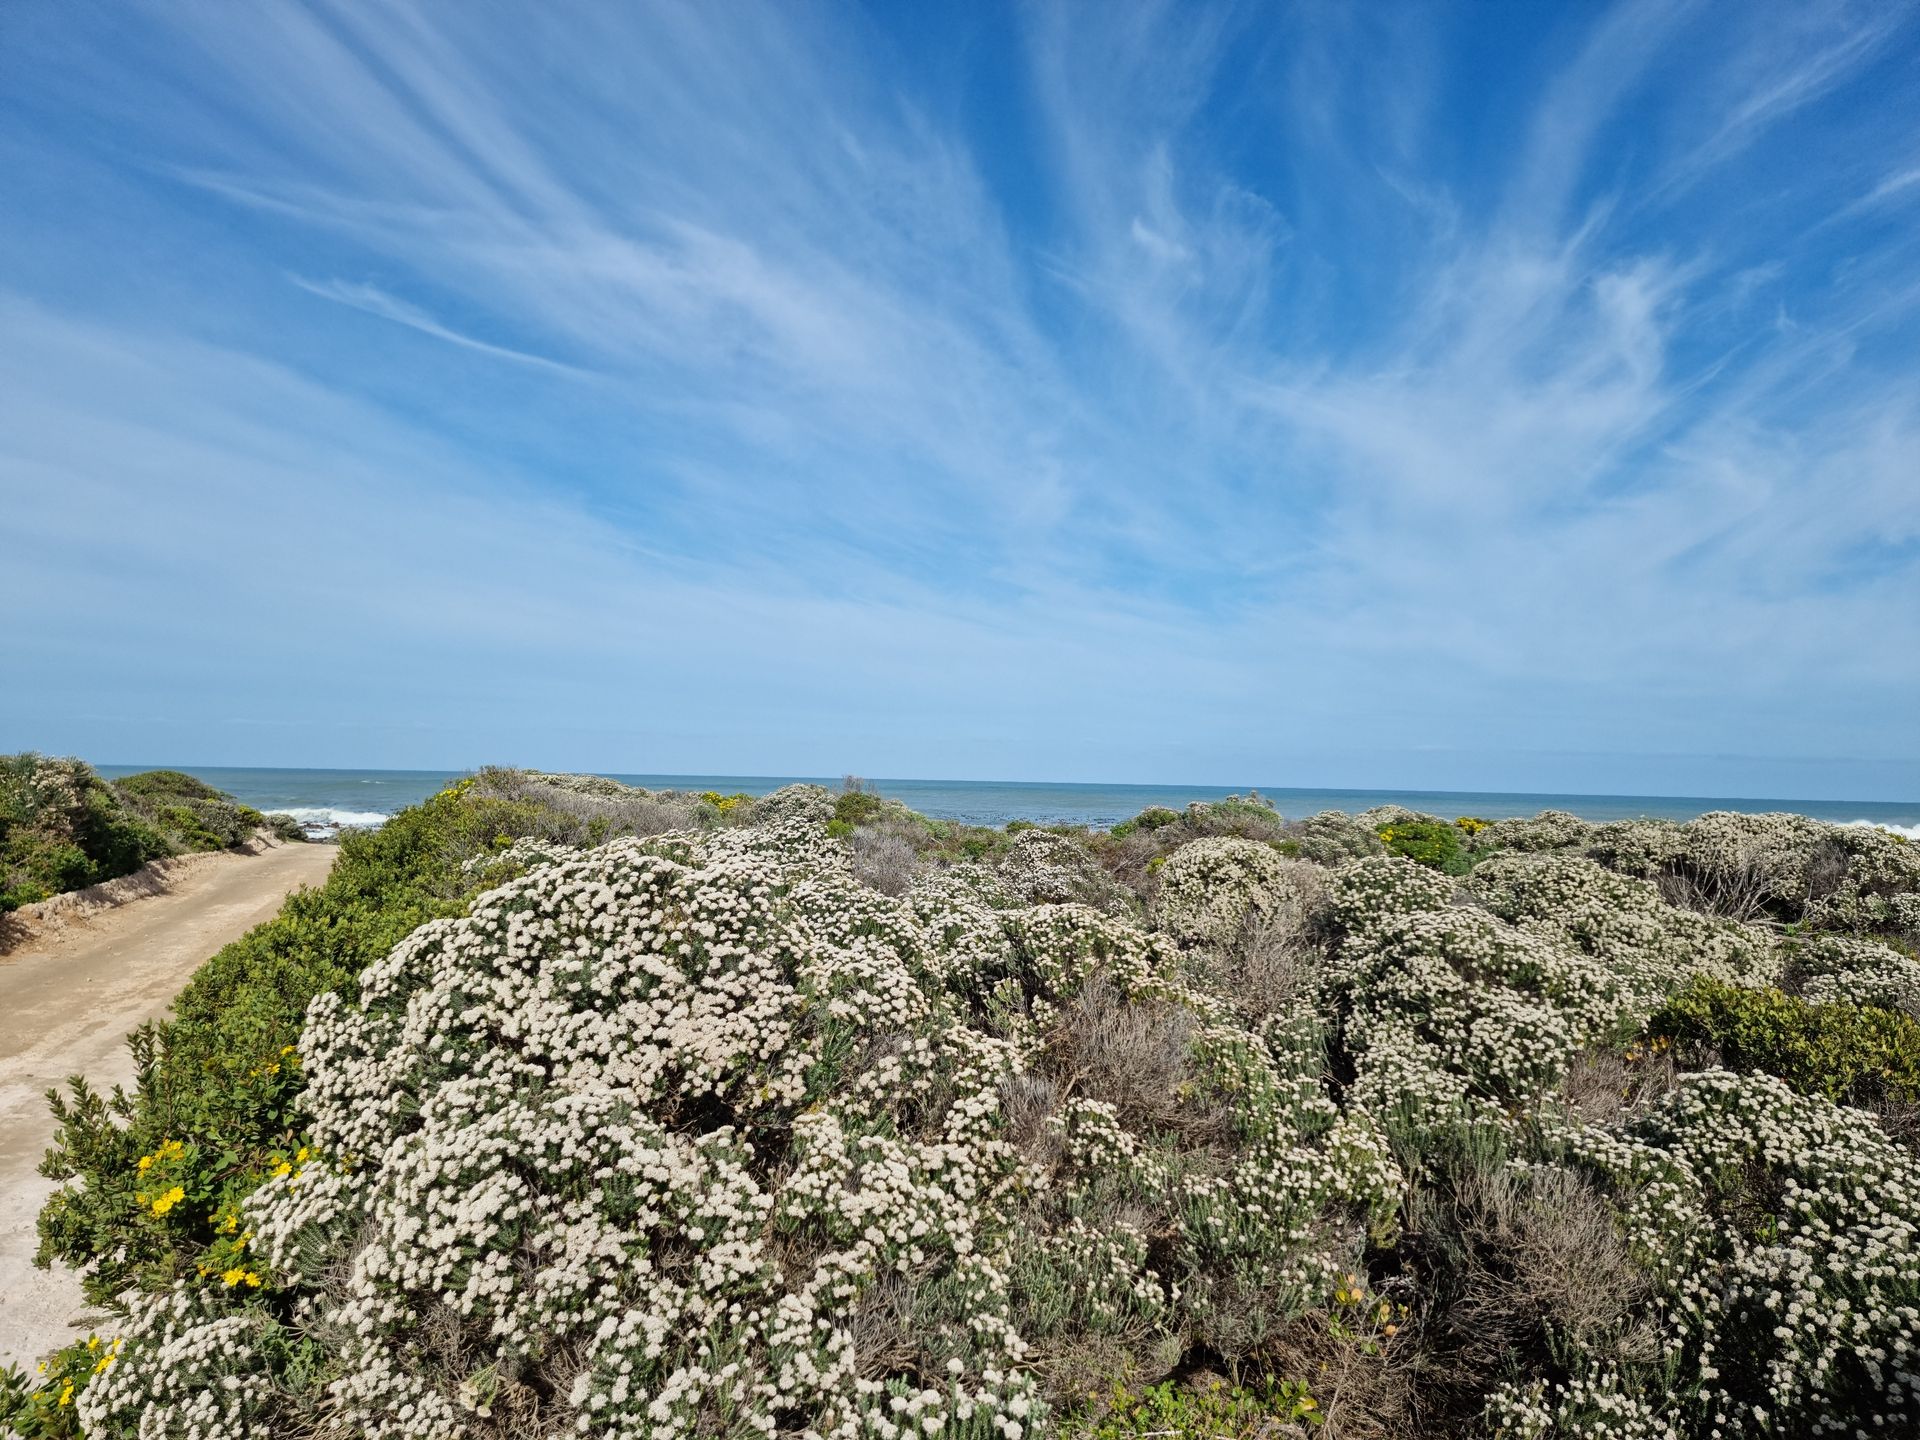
[1484,395]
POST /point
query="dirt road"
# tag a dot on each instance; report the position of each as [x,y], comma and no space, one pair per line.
[67,1000]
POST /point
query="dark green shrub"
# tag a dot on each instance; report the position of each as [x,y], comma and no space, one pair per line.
[856,807]
[1854,1053]
[1171,1408]
[62,828]
[1152,818]
[188,811]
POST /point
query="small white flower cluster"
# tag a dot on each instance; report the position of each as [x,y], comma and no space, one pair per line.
[1041,868]
[1652,947]
[1210,888]
[184,1362]
[1549,830]
[1601,1406]
[1830,968]
[1786,1230]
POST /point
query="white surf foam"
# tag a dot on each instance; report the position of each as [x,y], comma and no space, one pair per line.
[1912,832]
[329,815]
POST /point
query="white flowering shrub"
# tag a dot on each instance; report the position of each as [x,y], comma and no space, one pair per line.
[654,1139]
[1777,867]
[1549,830]
[1829,968]
[1333,838]
[1782,1228]
[1651,947]
[705,1134]
[1210,889]
[1041,868]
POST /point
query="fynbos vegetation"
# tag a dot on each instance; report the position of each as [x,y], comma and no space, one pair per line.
[566,1109]
[63,828]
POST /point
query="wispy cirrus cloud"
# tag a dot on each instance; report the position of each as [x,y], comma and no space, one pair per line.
[1555,378]
[375,301]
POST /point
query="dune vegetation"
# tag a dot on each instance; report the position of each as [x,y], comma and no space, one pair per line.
[571,1109]
[62,827]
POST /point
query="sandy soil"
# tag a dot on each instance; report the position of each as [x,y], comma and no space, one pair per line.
[71,987]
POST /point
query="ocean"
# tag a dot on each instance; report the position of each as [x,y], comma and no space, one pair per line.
[328,799]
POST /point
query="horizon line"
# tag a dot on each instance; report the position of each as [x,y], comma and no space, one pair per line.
[877,780]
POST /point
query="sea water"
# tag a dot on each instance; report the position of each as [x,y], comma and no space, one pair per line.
[334,799]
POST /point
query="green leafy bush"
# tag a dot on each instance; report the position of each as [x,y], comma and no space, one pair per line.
[1169,1408]
[1148,820]
[63,828]
[1433,843]
[1853,1053]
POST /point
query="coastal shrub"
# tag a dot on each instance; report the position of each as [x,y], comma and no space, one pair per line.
[1211,1407]
[884,859]
[1844,1051]
[1780,868]
[587,809]
[1154,817]
[1549,830]
[1778,1231]
[1650,946]
[1249,817]
[1212,889]
[221,1081]
[750,1126]
[1039,867]
[1827,968]
[1331,838]
[62,828]
[192,814]
[749,1103]
[1433,843]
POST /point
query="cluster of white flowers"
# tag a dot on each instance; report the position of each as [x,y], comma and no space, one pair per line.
[1210,888]
[1041,868]
[1830,968]
[1549,830]
[1651,947]
[184,1361]
[698,1134]
[1786,1230]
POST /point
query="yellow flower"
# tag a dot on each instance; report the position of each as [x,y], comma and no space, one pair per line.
[1392,1330]
[167,1201]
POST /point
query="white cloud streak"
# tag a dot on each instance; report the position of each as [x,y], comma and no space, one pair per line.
[1312,431]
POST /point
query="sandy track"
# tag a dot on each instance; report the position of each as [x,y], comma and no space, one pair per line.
[68,997]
